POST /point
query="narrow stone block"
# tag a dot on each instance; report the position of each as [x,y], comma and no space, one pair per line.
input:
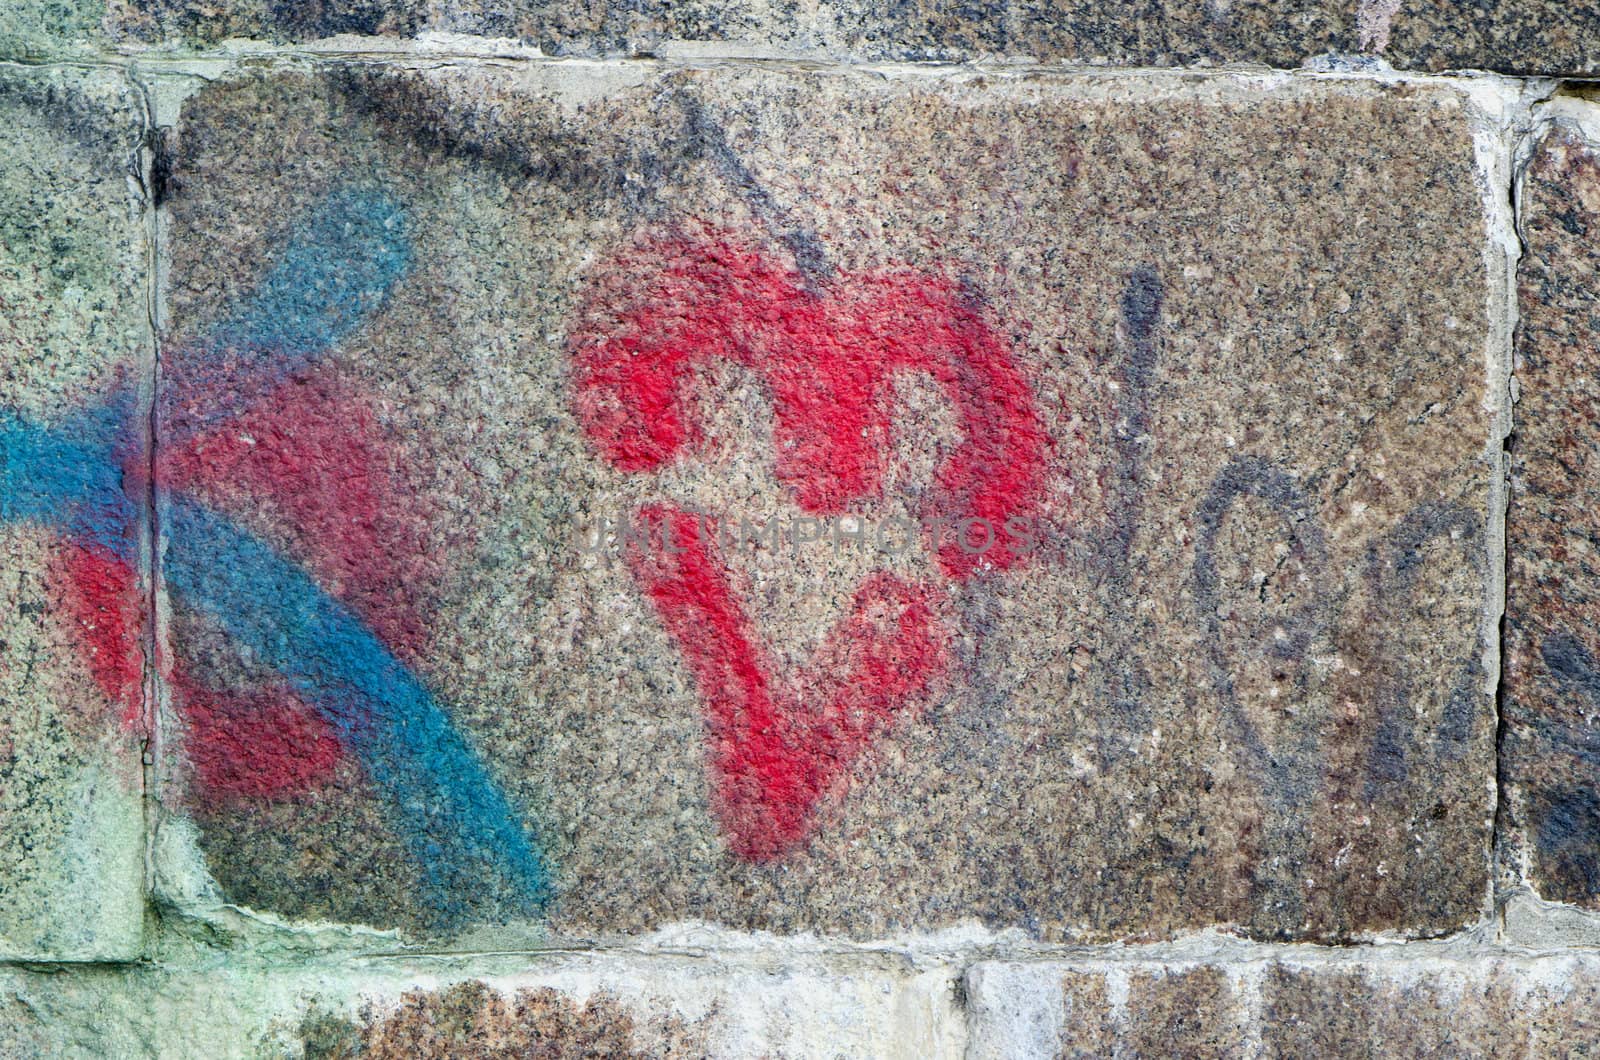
[551,1006]
[1523,37]
[1550,749]
[75,356]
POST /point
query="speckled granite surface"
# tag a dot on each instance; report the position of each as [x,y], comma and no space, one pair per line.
[1447,1005]
[1183,350]
[74,344]
[1551,677]
[1523,37]
[558,1007]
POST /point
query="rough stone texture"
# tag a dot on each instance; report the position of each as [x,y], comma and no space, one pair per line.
[1521,37]
[1451,1005]
[31,29]
[1550,747]
[472,1019]
[74,341]
[549,1006]
[1208,351]
[1422,1000]
[427,328]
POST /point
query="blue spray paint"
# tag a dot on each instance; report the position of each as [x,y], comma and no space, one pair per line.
[458,822]
[342,265]
[347,257]
[70,476]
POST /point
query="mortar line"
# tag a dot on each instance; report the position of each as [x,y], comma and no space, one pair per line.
[1521,125]
[149,549]
[509,54]
[1498,830]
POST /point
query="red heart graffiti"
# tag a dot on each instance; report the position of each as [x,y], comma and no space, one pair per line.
[828,352]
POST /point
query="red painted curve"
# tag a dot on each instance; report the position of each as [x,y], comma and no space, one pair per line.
[828,354]
[778,748]
[307,452]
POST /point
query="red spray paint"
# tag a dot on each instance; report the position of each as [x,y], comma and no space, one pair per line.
[307,452]
[827,351]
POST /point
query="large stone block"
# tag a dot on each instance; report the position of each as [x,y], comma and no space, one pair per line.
[1093,485]
[1550,750]
[1444,1004]
[75,353]
[1522,37]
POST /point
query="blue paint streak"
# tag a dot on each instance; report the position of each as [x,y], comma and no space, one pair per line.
[70,476]
[457,820]
[342,265]
[345,258]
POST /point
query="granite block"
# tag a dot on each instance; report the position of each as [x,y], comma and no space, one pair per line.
[550,1007]
[1552,686]
[1524,37]
[826,502]
[1444,1004]
[75,358]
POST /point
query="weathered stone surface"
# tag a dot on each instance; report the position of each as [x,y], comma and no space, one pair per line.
[40,28]
[473,1019]
[74,337]
[545,1007]
[1550,748]
[1453,1005]
[1521,37]
[1209,363]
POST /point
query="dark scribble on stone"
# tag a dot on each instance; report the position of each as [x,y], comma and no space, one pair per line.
[1396,572]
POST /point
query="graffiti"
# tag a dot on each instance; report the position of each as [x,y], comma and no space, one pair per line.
[1566,817]
[337,643]
[342,687]
[1279,736]
[1141,317]
[1285,635]
[1126,687]
[827,350]
[313,450]
[829,357]
[1282,733]
[1288,637]
[70,476]
[1395,571]
[776,756]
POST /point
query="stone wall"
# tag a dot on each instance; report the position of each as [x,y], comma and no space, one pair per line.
[799,529]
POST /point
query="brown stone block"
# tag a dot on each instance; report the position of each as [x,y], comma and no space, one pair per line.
[1525,37]
[1415,1005]
[1197,370]
[1552,685]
